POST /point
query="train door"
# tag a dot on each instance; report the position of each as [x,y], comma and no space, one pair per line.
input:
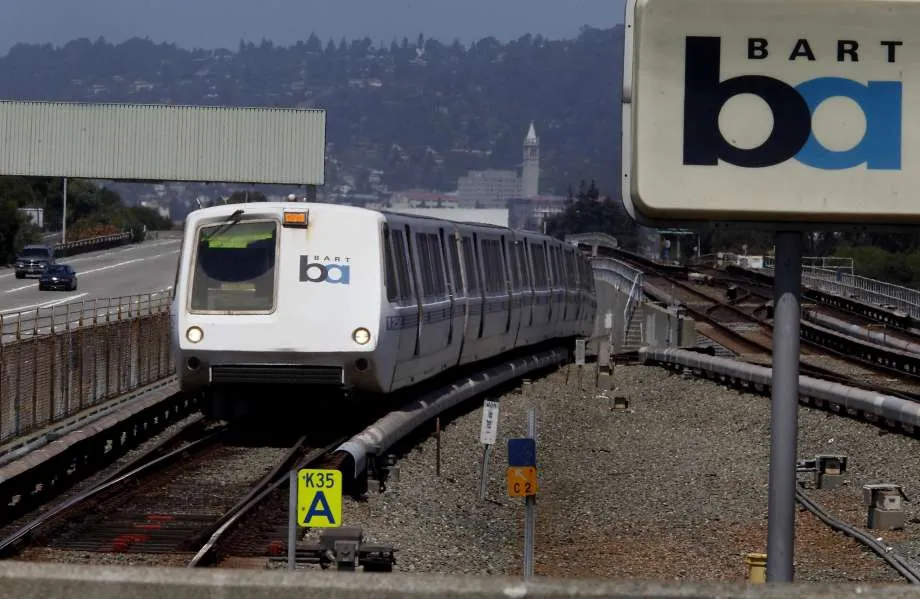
[404,319]
[436,317]
[526,297]
[541,293]
[450,242]
[516,299]
[472,286]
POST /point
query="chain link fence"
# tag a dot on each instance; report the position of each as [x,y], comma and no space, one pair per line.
[81,359]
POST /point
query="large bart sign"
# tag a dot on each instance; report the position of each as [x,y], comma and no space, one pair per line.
[772,111]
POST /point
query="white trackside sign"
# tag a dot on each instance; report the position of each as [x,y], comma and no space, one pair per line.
[488,432]
[772,111]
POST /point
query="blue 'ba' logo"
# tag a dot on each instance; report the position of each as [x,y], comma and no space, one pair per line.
[793,107]
[325,269]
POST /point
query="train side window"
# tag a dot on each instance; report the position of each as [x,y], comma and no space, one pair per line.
[482,263]
[448,266]
[557,267]
[526,266]
[454,263]
[544,250]
[472,270]
[389,270]
[539,265]
[508,249]
[425,267]
[400,255]
[501,274]
[570,269]
[565,268]
[439,269]
[492,263]
[413,265]
[522,265]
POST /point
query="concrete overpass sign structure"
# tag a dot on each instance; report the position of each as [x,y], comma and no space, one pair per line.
[139,142]
[787,115]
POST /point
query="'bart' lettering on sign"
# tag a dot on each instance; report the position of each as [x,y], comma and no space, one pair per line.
[319,498]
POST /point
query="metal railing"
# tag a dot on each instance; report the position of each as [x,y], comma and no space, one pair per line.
[833,263]
[55,317]
[862,289]
[636,296]
[625,279]
[92,243]
[593,239]
[48,377]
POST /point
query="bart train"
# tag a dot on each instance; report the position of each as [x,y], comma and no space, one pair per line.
[328,296]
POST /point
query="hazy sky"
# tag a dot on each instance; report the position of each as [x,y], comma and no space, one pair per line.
[222,23]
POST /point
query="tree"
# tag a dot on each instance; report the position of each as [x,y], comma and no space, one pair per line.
[471,104]
[588,212]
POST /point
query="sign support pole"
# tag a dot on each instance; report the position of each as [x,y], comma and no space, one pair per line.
[787,291]
[64,217]
[530,506]
[292,523]
[484,475]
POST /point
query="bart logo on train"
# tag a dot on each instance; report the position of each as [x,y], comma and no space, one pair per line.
[325,269]
[793,103]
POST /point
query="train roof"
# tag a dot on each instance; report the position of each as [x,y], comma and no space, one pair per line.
[465,222]
[228,209]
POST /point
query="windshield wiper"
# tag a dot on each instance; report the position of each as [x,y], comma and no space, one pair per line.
[231,220]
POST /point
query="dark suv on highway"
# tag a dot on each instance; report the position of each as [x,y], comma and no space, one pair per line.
[33,259]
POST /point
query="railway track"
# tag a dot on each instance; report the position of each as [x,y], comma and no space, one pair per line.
[750,336]
[894,328]
[173,503]
[215,494]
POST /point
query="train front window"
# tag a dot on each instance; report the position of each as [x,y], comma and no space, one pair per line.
[235,267]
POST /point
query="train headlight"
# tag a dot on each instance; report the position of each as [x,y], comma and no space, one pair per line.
[361,336]
[194,334]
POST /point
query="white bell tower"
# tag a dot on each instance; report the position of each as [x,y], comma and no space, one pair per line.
[530,173]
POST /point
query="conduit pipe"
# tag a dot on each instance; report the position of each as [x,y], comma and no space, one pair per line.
[890,408]
[861,332]
[380,436]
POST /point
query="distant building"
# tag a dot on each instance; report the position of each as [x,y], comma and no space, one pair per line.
[530,172]
[490,188]
[531,213]
[423,199]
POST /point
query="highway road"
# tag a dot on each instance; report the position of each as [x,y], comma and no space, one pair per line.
[123,271]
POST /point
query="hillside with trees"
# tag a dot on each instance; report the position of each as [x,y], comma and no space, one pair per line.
[423,111]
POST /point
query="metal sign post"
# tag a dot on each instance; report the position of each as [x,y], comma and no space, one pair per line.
[64,212]
[713,164]
[488,434]
[787,291]
[522,482]
[292,521]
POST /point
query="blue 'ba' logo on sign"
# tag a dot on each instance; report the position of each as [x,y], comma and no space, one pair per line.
[793,107]
[325,269]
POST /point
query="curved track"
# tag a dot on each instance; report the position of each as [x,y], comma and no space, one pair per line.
[750,335]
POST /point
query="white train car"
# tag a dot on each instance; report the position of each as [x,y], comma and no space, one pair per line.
[337,297]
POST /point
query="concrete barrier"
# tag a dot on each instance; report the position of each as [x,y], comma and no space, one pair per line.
[667,328]
[29,580]
[651,326]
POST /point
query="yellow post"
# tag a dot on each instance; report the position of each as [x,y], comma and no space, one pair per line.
[757,567]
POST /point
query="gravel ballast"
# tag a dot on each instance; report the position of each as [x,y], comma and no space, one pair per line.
[673,488]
